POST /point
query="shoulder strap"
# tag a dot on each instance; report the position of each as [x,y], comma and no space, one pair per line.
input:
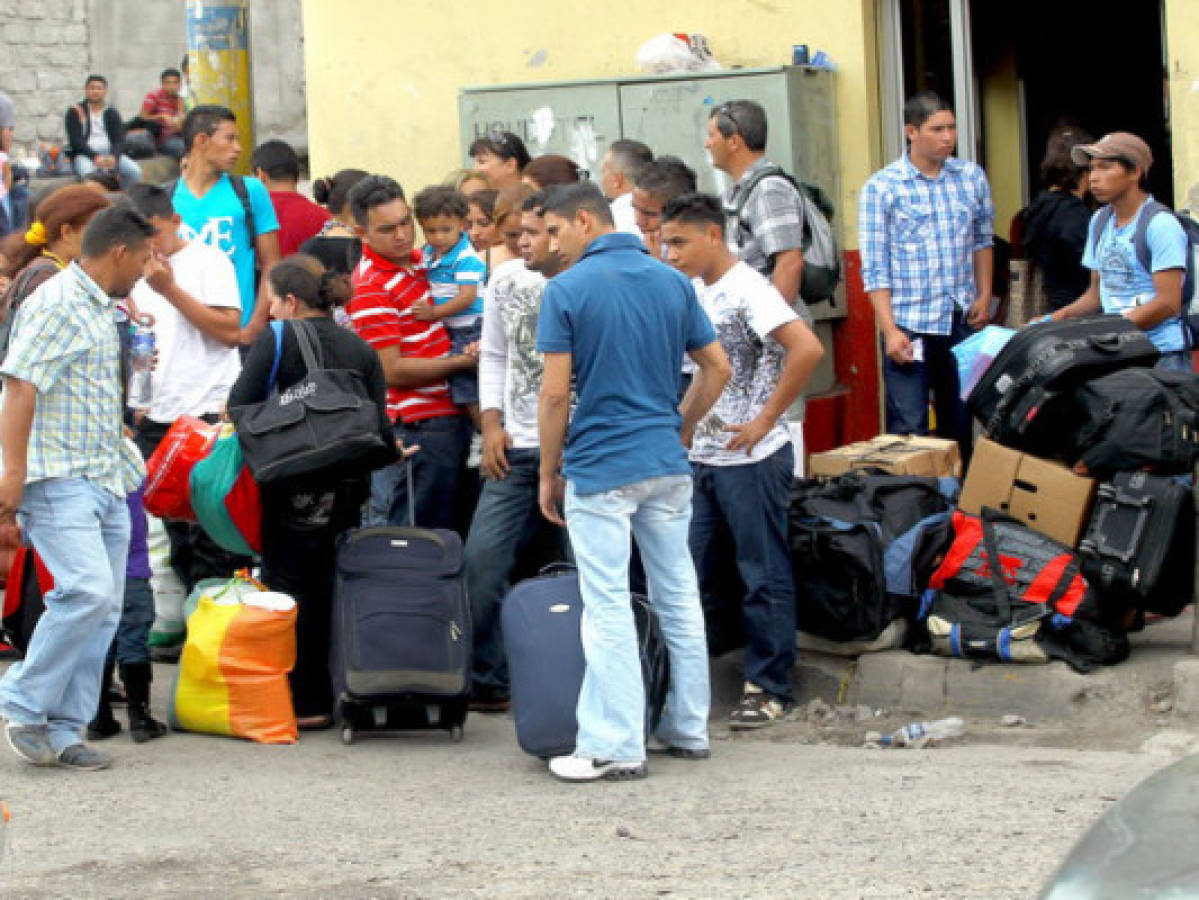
[277,328]
[243,194]
[757,178]
[1140,235]
[1101,219]
[1003,599]
[310,347]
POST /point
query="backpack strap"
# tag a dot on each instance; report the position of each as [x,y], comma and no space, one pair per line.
[277,328]
[243,194]
[770,171]
[999,588]
[1140,235]
[1101,219]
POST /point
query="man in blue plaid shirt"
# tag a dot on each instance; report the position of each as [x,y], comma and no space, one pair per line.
[925,234]
[66,470]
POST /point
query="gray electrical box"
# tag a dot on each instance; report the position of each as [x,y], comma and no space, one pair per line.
[579,119]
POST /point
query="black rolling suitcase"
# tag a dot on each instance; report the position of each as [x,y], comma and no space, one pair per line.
[1041,362]
[541,621]
[1139,547]
[401,645]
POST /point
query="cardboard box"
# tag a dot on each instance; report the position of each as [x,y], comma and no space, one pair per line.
[1047,495]
[897,454]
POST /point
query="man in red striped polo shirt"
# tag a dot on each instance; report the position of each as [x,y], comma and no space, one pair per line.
[416,361]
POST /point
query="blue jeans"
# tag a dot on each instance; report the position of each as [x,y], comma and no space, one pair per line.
[127,170]
[464,386]
[133,630]
[507,521]
[611,710]
[81,532]
[908,386]
[1176,361]
[752,499]
[436,470]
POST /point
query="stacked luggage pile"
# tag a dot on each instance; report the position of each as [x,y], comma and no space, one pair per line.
[1075,522]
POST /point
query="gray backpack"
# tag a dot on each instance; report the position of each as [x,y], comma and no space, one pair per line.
[821,257]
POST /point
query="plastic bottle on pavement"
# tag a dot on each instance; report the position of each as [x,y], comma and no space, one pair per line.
[920,733]
[141,365]
[5,818]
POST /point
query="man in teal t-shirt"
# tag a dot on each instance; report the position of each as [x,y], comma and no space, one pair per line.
[207,200]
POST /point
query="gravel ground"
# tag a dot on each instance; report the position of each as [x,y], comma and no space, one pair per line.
[788,813]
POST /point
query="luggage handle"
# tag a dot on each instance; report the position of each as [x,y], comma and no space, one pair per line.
[1003,599]
[558,568]
[1107,343]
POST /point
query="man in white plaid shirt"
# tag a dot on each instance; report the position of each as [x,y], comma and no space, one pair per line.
[66,470]
[925,235]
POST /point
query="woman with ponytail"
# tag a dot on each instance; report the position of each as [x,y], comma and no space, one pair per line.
[338,246]
[302,518]
[50,244]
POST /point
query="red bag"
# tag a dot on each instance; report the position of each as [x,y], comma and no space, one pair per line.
[169,469]
[28,582]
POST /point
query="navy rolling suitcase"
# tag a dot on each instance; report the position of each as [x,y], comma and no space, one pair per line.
[401,643]
[541,618]
[1042,362]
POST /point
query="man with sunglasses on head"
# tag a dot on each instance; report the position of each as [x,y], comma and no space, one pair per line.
[768,233]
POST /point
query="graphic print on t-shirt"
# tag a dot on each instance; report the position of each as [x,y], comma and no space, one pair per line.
[520,309]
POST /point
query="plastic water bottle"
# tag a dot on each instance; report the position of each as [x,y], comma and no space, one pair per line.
[141,364]
[925,732]
[5,818]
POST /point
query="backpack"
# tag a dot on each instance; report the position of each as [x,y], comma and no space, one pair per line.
[1140,244]
[821,258]
[1010,594]
[39,270]
[238,183]
[862,547]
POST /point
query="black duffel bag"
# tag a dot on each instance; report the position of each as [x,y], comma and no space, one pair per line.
[325,421]
[1130,420]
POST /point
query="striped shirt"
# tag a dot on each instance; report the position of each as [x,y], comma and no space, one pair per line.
[918,236]
[65,343]
[381,313]
[460,267]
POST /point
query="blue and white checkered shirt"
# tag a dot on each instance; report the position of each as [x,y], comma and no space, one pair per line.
[65,343]
[918,236]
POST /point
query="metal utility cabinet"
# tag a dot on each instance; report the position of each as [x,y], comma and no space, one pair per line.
[579,119]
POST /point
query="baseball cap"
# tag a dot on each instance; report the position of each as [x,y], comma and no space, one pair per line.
[1117,145]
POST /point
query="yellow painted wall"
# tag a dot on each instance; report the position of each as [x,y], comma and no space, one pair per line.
[383,75]
[1182,49]
[1003,136]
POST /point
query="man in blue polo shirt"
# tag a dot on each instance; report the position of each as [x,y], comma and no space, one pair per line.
[619,322]
[229,212]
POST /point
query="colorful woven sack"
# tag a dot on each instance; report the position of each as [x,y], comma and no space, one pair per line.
[225,497]
[169,469]
[232,677]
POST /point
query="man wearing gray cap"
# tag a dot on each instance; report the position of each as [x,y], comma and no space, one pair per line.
[1137,255]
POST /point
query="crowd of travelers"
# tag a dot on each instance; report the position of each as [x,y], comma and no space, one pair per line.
[599,372]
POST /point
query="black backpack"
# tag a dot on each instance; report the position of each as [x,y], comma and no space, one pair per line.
[862,547]
[821,256]
[1132,419]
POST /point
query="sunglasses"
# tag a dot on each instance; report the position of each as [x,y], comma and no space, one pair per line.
[726,110]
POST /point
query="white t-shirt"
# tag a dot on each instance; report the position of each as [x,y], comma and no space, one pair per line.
[744,308]
[194,372]
[623,217]
[510,368]
[97,139]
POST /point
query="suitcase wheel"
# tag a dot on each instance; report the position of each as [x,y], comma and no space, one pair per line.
[347,735]
[455,734]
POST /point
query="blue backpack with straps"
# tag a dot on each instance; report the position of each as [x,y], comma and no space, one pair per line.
[1140,244]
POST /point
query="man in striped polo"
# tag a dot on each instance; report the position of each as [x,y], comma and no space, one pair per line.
[388,282]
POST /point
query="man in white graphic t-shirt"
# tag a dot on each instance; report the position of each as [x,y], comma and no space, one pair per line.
[741,455]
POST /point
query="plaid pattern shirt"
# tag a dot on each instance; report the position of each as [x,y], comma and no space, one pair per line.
[771,222]
[65,343]
[918,236]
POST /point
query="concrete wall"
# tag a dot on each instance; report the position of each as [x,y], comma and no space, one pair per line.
[48,47]
[401,116]
[1182,64]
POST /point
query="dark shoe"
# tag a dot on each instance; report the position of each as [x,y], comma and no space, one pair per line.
[103,726]
[489,700]
[31,743]
[757,709]
[657,747]
[142,726]
[83,758]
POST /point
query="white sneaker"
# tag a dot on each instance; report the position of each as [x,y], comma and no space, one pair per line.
[584,768]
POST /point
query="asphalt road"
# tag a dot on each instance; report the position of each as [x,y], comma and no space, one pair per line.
[769,815]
